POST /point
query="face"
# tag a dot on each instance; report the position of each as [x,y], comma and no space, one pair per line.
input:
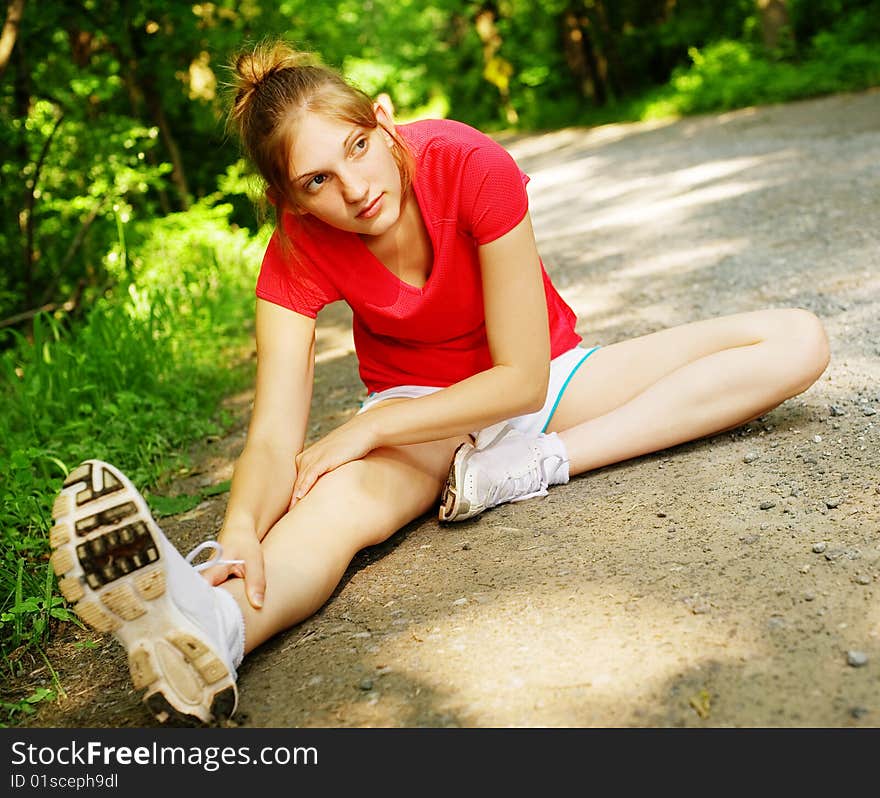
[345,175]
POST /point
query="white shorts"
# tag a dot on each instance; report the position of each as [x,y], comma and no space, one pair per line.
[562,369]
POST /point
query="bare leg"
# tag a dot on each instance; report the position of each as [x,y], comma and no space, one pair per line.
[357,505]
[673,386]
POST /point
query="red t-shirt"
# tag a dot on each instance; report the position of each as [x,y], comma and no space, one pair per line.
[470,192]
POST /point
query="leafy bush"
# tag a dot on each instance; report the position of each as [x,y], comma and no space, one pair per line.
[733,74]
[133,383]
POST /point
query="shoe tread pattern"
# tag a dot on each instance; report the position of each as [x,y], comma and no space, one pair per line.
[453,506]
[109,567]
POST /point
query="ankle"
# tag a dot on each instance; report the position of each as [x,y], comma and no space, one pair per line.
[556,458]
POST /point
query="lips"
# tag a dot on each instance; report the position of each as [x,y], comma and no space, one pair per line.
[372,209]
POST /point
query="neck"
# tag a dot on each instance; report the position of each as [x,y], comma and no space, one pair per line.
[403,233]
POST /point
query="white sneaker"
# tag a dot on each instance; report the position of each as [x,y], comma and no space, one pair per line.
[505,465]
[184,637]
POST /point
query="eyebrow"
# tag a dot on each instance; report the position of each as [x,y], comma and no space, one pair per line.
[348,138]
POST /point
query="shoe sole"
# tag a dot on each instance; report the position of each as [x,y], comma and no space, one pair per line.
[107,555]
[453,506]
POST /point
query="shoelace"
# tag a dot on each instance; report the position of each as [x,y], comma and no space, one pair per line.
[216,559]
[520,484]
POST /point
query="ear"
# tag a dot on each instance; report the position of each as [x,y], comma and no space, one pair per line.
[384,110]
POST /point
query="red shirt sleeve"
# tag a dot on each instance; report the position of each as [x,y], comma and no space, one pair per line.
[293,281]
[493,192]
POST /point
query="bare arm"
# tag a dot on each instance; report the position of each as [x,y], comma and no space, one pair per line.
[265,471]
[519,342]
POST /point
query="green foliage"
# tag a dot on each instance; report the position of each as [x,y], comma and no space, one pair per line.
[162,506]
[112,114]
[13,710]
[133,383]
[731,74]
[121,193]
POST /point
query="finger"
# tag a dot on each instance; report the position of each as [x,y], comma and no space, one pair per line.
[255,581]
[216,574]
[306,480]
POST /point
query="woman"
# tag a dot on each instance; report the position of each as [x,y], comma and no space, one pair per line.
[470,357]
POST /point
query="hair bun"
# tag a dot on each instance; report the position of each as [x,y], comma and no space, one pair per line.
[254,67]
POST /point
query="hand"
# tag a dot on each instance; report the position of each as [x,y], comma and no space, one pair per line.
[351,441]
[241,545]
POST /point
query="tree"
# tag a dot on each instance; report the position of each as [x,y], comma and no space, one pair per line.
[10,32]
[775,23]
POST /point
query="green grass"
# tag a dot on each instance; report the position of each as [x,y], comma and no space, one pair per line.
[135,382]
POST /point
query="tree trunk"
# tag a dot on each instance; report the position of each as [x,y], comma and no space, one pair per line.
[21,92]
[775,22]
[30,199]
[496,70]
[10,32]
[614,66]
[128,67]
[178,175]
[581,56]
[146,87]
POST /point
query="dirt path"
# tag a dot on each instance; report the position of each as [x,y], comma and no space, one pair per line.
[657,592]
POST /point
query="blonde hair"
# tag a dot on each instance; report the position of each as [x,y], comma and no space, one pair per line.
[274,84]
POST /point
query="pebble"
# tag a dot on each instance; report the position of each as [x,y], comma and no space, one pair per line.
[856,658]
[832,503]
[817,439]
[459,601]
[818,548]
[836,410]
[766,505]
[366,685]
[751,457]
[465,546]
[809,596]
[863,579]
[869,411]
[750,539]
[859,712]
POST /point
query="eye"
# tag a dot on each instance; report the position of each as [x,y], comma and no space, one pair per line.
[361,144]
[316,182]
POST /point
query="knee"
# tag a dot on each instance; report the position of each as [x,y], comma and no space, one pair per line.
[358,485]
[350,483]
[808,349]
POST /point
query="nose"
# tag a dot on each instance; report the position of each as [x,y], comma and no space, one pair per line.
[355,189]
